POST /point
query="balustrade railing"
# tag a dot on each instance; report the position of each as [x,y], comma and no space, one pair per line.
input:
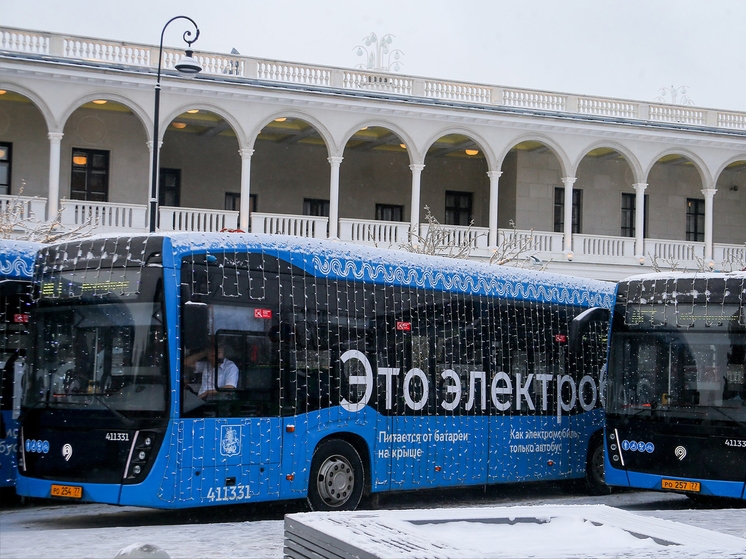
[293,73]
[104,216]
[388,83]
[454,235]
[607,107]
[531,241]
[458,92]
[674,252]
[534,100]
[603,247]
[731,257]
[732,120]
[195,219]
[67,46]
[679,115]
[116,53]
[22,207]
[295,225]
[17,40]
[211,64]
[384,234]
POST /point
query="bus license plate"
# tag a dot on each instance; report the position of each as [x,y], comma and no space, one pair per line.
[679,485]
[67,491]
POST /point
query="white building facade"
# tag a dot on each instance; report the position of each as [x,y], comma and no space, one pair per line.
[603,187]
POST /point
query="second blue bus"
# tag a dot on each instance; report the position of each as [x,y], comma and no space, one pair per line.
[16,270]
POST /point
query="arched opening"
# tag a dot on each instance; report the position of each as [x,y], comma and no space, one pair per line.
[730,205]
[104,156]
[455,185]
[677,205]
[531,177]
[199,164]
[375,179]
[289,169]
[24,147]
[604,183]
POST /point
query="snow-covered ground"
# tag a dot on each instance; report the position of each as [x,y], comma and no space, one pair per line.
[101,531]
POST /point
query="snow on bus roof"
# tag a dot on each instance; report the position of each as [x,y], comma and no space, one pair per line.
[656,276]
[355,262]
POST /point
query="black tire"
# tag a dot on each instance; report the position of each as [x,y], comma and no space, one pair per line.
[337,477]
[595,483]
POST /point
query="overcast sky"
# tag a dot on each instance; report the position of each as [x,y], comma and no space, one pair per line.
[628,49]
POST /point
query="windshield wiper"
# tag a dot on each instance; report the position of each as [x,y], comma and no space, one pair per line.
[738,422]
[128,423]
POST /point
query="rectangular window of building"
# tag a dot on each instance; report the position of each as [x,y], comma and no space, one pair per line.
[316,207]
[389,212]
[233,202]
[169,187]
[90,175]
[6,160]
[559,210]
[458,207]
[695,219]
[629,207]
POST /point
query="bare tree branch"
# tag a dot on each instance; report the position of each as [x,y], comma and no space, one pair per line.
[441,240]
[18,221]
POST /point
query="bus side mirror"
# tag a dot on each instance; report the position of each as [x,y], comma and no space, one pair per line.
[195,325]
[579,325]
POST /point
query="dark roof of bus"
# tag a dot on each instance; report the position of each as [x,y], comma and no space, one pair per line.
[349,261]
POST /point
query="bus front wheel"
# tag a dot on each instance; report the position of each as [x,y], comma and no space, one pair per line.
[337,477]
[595,483]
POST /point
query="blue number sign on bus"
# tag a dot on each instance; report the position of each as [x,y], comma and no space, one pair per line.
[212,369]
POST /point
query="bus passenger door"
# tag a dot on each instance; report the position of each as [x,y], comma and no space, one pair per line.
[231,433]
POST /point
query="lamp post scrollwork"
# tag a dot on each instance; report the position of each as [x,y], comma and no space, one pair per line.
[188,67]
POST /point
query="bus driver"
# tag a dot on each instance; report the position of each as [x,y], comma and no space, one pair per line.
[204,363]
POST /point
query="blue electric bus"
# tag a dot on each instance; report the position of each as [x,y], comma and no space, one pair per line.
[16,270]
[185,370]
[676,398]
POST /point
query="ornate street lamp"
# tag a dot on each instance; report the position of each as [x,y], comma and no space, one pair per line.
[376,58]
[188,67]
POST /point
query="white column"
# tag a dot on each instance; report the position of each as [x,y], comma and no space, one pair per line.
[414,216]
[494,180]
[568,182]
[640,219]
[243,216]
[53,196]
[335,161]
[709,195]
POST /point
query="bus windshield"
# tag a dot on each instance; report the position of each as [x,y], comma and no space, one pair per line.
[676,373]
[101,355]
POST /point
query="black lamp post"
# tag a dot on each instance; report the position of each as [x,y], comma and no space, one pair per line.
[187,66]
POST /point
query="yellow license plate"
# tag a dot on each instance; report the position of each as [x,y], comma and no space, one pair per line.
[67,491]
[679,485]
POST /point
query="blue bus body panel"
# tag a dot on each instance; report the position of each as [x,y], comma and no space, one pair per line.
[94,492]
[8,448]
[17,260]
[652,482]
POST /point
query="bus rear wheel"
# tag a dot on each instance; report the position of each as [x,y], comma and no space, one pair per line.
[595,483]
[337,477]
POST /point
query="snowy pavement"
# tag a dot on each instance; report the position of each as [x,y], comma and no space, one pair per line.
[257,531]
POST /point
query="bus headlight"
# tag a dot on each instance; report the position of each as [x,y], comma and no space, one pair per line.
[140,456]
